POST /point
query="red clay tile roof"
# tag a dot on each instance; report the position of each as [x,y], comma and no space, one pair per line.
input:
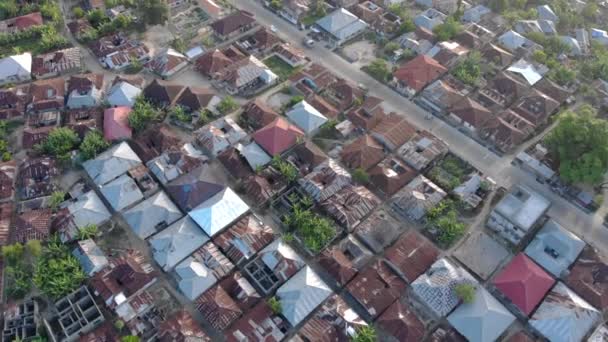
[116,123]
[235,163]
[391,175]
[376,288]
[26,21]
[326,108]
[277,137]
[419,72]
[393,131]
[181,327]
[212,62]
[412,254]
[258,114]
[6,218]
[232,23]
[589,278]
[218,308]
[8,174]
[258,325]
[32,225]
[471,112]
[364,152]
[401,323]
[524,283]
[369,115]
[244,239]
[47,94]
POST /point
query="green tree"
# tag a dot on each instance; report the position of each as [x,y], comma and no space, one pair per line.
[60,142]
[143,113]
[50,10]
[153,12]
[121,22]
[89,231]
[562,75]
[366,333]
[465,292]
[179,44]
[8,9]
[275,305]
[119,324]
[57,272]
[315,231]
[12,254]
[78,12]
[18,279]
[407,25]
[360,176]
[285,168]
[57,197]
[378,68]
[179,113]
[391,47]
[448,30]
[580,143]
[469,70]
[130,338]
[97,17]
[92,144]
[539,56]
[34,248]
[227,105]
[276,4]
[590,11]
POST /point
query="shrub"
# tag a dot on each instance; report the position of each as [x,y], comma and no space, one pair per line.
[60,142]
[275,305]
[365,334]
[465,292]
[227,105]
[143,112]
[92,144]
[57,197]
[360,176]
[88,232]
[314,230]
[57,272]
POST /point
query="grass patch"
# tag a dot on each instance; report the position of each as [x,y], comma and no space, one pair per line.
[444,225]
[279,67]
[310,19]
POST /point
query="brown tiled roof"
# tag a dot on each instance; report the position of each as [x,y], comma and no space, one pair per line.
[345,259]
[364,152]
[589,278]
[181,327]
[264,39]
[471,112]
[350,205]
[35,177]
[258,114]
[195,98]
[503,89]
[419,72]
[32,225]
[412,255]
[498,55]
[134,80]
[232,23]
[553,90]
[376,288]
[446,334]
[369,115]
[258,325]
[508,130]
[47,94]
[128,273]
[332,322]
[309,154]
[241,290]
[393,131]
[8,174]
[13,101]
[155,140]
[33,136]
[345,93]
[212,62]
[235,163]
[401,323]
[326,108]
[218,308]
[535,107]
[242,240]
[161,92]
[6,217]
[84,120]
[391,175]
[85,83]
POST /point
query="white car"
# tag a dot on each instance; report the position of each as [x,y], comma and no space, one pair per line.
[273,28]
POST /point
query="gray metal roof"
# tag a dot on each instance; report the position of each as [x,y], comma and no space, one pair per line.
[175,243]
[301,294]
[152,215]
[522,206]
[122,192]
[112,163]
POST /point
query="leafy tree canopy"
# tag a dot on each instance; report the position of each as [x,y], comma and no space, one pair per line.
[60,142]
[92,144]
[448,30]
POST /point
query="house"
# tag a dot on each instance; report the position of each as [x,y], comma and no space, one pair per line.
[219,135]
[35,178]
[341,26]
[553,90]
[277,137]
[429,19]
[245,76]
[306,156]
[181,327]
[243,239]
[46,95]
[198,99]
[376,288]
[379,230]
[555,248]
[475,14]
[508,130]
[349,205]
[16,68]
[369,114]
[34,136]
[412,255]
[111,164]
[586,278]
[513,41]
[469,113]
[84,120]
[314,78]
[501,92]
[124,55]
[391,175]
[301,294]
[295,10]
[573,45]
[600,334]
[167,63]
[401,323]
[6,218]
[77,314]
[8,174]
[445,6]
[416,74]
[233,24]
[545,12]
[497,55]
[124,91]
[57,63]
[564,316]
[21,321]
[82,211]
[172,164]
[524,283]
[92,259]
[261,42]
[325,181]
[258,114]
[259,324]
[306,117]
[21,23]
[422,149]
[525,27]
[218,308]
[79,27]
[116,123]
[529,72]
[436,287]
[439,96]
[419,196]
[485,319]
[261,188]
[155,141]
[213,62]
[175,243]
[84,91]
[534,163]
[335,320]
[194,188]
[448,53]
[162,93]
[122,192]
[481,254]
[344,94]
[393,131]
[13,102]
[218,211]
[290,55]
[363,153]
[345,259]
[516,214]
[32,225]
[152,215]
[535,107]
[274,264]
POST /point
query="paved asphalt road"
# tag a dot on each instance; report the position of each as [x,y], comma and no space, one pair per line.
[589,227]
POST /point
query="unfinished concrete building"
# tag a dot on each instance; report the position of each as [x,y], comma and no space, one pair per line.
[77,314]
[20,322]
